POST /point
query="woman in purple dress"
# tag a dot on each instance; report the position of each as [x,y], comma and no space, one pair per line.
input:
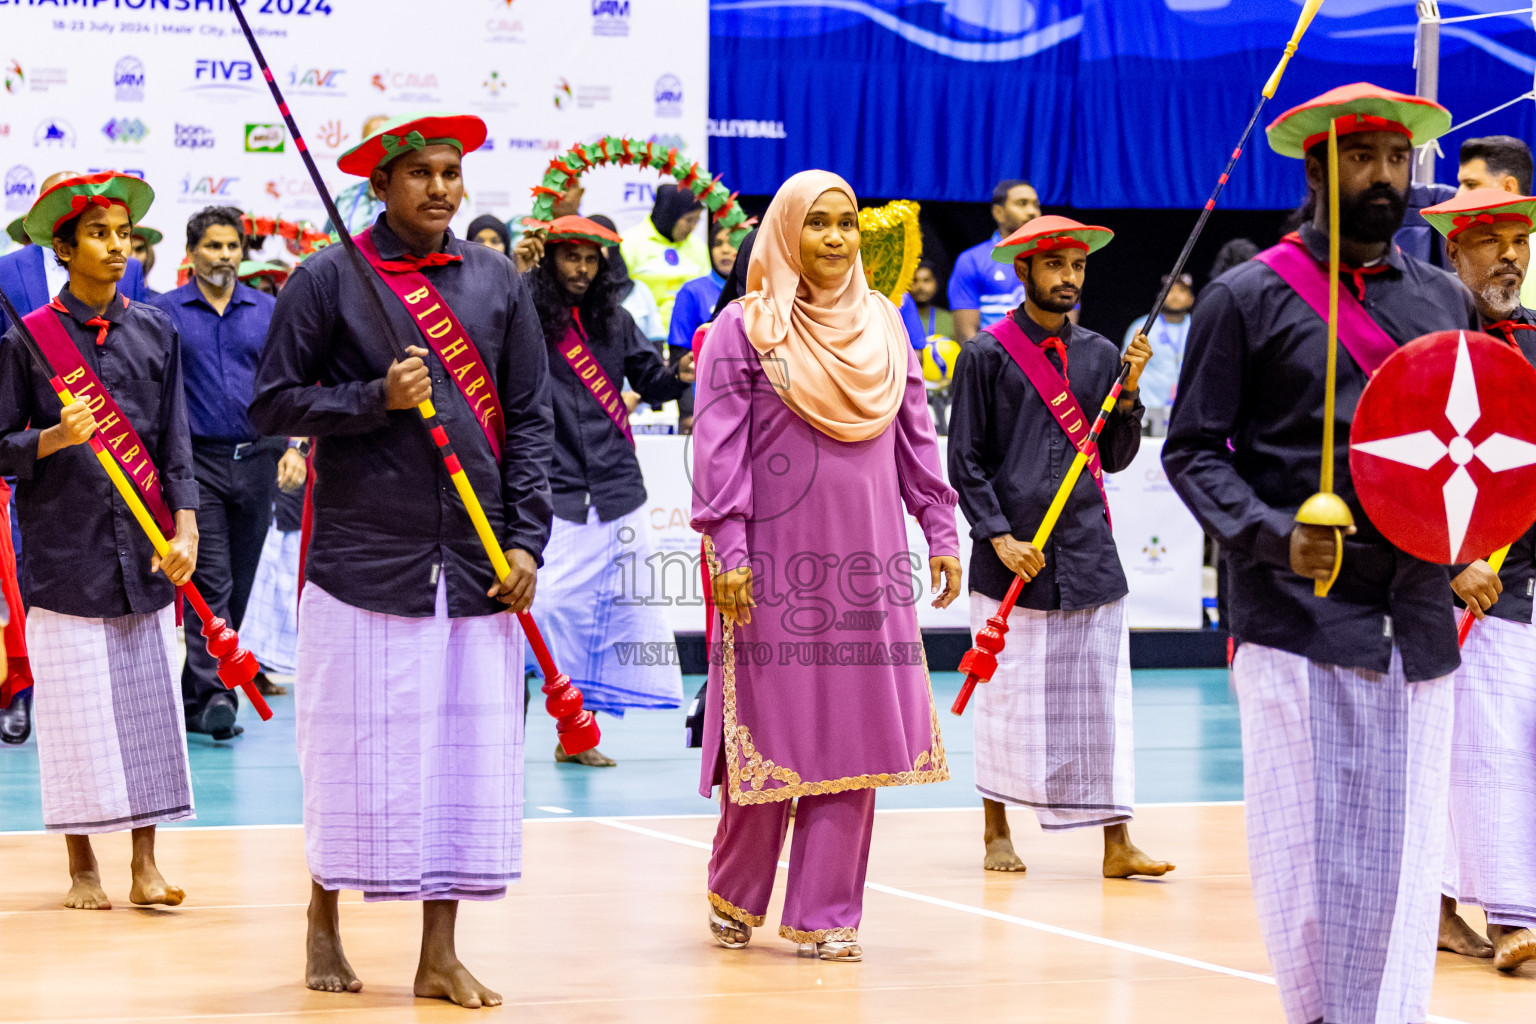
[811,431]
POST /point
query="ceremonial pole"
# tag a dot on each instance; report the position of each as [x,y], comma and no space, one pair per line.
[237,666]
[577,728]
[1325,508]
[980,662]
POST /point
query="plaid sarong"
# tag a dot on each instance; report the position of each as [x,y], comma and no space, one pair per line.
[599,603]
[410,738]
[111,735]
[1053,727]
[1345,778]
[1489,859]
[270,628]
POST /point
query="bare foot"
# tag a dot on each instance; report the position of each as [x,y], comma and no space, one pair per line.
[1513,948]
[1456,936]
[325,965]
[149,888]
[1122,860]
[1001,856]
[593,758]
[453,982]
[86,893]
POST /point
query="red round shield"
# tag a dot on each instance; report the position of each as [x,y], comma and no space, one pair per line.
[1443,447]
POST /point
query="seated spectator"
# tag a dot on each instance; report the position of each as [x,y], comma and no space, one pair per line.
[662,252]
[490,232]
[1160,377]
[936,319]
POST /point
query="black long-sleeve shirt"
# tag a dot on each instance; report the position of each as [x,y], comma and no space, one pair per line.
[1007,457]
[85,553]
[594,464]
[1518,573]
[387,516]
[1254,373]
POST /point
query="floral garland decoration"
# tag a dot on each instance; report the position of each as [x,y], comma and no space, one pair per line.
[302,237]
[565,170]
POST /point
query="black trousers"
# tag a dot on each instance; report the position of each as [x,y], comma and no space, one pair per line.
[233,514]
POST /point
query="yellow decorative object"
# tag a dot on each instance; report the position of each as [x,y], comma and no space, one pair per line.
[939,357]
[891,244]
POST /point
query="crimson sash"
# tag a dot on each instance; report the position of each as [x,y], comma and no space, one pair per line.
[447,338]
[1054,391]
[593,377]
[1362,337]
[122,441]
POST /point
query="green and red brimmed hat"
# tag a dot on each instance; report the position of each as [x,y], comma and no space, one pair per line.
[413,133]
[250,269]
[1044,234]
[73,196]
[1361,107]
[580,230]
[1480,206]
[17,230]
[150,235]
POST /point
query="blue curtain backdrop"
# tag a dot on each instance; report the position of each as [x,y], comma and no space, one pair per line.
[1101,103]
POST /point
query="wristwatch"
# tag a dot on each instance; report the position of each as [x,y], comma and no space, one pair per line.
[301,445]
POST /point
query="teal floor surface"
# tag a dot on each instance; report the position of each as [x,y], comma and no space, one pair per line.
[1187,749]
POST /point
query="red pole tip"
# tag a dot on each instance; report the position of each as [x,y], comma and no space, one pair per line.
[580,735]
[966,689]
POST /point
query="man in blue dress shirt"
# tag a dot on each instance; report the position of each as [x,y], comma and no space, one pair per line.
[223,328]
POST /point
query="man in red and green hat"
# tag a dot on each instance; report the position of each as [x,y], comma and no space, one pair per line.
[410,719]
[1053,727]
[586,610]
[1493,746]
[1346,700]
[112,752]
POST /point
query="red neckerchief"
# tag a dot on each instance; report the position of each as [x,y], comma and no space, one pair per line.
[1359,274]
[95,321]
[1509,327]
[407,263]
[1060,348]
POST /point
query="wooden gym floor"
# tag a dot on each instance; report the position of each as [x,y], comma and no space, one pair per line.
[609,925]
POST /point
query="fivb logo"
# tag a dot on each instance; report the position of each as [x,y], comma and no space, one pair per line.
[128,80]
[610,18]
[20,189]
[211,74]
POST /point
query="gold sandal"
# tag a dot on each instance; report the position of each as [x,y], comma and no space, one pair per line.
[729,933]
[843,952]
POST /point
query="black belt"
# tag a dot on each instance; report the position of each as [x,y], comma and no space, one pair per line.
[238,450]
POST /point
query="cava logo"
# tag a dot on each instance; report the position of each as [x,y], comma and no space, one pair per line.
[20,189]
[193,136]
[669,96]
[54,134]
[610,18]
[410,86]
[128,80]
[209,187]
[128,131]
[264,138]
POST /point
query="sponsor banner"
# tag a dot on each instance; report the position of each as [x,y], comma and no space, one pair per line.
[1161,546]
[167,88]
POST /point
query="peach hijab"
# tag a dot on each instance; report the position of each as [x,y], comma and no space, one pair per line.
[838,358]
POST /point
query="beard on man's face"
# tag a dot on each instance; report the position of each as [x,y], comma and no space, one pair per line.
[1062,299]
[1363,219]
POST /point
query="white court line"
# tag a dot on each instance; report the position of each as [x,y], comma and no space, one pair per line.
[1023,922]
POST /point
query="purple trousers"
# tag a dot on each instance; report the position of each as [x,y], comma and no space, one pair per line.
[828,860]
